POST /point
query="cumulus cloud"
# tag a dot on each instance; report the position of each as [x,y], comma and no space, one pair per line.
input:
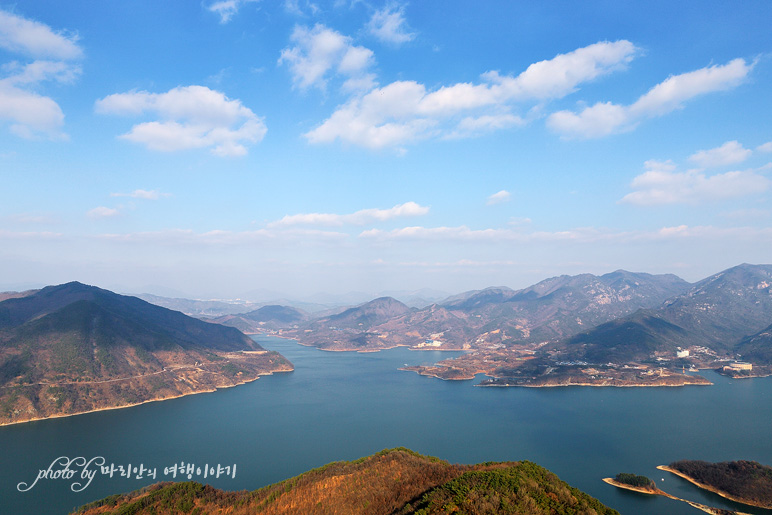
[499,197]
[227,9]
[54,55]
[766,147]
[662,184]
[320,50]
[35,39]
[731,152]
[389,25]
[142,194]
[404,111]
[190,117]
[103,212]
[362,217]
[606,118]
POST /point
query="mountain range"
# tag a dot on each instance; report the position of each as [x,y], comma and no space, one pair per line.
[621,317]
[550,310]
[74,348]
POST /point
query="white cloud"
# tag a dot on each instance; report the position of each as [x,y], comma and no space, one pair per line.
[766,147]
[729,153]
[29,112]
[226,9]
[320,50]
[293,7]
[661,184]
[404,111]
[463,234]
[190,117]
[499,197]
[103,212]
[177,237]
[606,118]
[142,194]
[35,39]
[388,25]
[362,217]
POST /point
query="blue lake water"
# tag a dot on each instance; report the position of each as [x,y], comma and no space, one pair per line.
[341,406]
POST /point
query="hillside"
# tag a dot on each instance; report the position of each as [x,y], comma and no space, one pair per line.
[74,348]
[748,482]
[757,348]
[356,328]
[726,313]
[396,481]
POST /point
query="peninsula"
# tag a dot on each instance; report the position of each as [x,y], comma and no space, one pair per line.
[73,348]
[651,489]
[746,482]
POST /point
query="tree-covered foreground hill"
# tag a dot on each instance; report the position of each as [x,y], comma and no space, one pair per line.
[395,481]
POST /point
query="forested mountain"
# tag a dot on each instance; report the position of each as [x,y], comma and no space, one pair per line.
[73,348]
[728,313]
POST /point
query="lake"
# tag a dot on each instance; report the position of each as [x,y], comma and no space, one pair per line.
[341,406]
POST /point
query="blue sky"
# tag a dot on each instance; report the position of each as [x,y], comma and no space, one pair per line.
[221,147]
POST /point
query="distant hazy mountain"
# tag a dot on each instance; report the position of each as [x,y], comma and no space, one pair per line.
[15,294]
[718,312]
[73,348]
[395,481]
[200,308]
[266,318]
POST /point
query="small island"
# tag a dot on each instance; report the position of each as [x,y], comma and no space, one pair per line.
[746,482]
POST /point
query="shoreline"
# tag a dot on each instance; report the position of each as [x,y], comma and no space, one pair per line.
[709,488]
[65,415]
[641,490]
[592,384]
[657,491]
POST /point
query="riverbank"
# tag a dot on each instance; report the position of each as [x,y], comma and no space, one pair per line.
[208,388]
[656,491]
[713,489]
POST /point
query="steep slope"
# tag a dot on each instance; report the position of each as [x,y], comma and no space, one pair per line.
[717,313]
[354,328]
[757,348]
[368,314]
[396,481]
[73,348]
[565,305]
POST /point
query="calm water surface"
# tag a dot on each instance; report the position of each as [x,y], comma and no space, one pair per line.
[341,406]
